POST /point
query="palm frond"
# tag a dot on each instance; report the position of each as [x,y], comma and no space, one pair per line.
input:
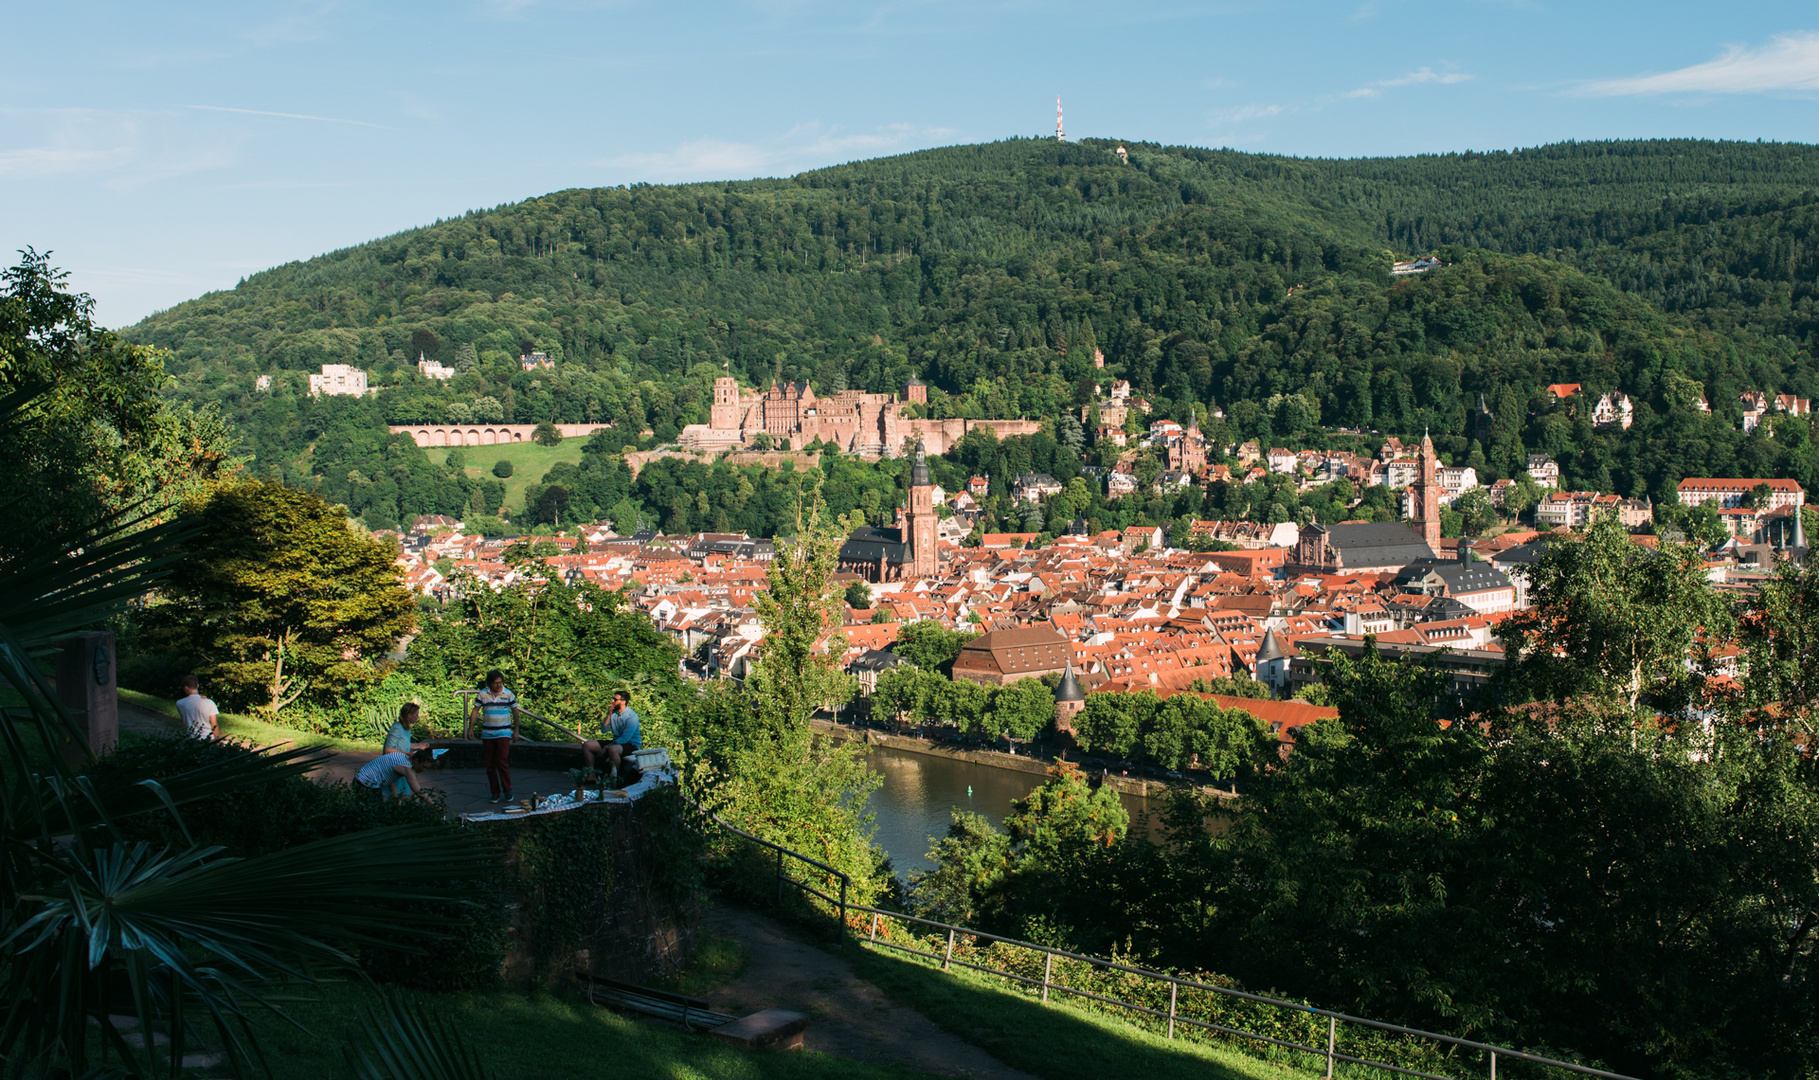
[402,1042]
[67,582]
[156,931]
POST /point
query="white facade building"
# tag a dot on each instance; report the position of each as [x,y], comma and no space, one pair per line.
[339,380]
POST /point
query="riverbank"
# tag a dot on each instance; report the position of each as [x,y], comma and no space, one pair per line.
[1136,786]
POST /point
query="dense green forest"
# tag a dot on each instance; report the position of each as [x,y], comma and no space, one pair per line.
[1255,284]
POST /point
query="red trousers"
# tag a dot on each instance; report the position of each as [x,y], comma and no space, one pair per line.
[497,753]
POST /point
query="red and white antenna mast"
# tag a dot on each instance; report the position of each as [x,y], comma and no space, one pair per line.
[1058,136]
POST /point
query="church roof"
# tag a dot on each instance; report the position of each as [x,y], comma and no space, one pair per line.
[1372,543]
[870,543]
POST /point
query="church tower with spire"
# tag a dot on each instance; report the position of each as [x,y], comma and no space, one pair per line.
[923,561]
[1427,495]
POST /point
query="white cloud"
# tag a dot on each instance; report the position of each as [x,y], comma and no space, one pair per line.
[1243,113]
[1413,78]
[286,115]
[804,146]
[73,141]
[1788,62]
[1427,75]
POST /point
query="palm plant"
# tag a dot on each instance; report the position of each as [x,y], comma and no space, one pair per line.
[185,941]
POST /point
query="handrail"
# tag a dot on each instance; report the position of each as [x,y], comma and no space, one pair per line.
[1331,1052]
[521,711]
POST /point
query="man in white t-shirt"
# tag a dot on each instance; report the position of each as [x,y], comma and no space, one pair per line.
[198,712]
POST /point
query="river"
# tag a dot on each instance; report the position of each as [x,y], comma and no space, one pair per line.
[919,790]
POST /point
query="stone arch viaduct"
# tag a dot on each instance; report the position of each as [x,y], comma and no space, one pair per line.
[485,434]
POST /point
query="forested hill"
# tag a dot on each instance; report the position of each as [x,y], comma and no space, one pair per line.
[1255,283]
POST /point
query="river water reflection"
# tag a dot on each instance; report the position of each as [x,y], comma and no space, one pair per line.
[919,791]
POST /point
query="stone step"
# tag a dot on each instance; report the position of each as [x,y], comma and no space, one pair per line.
[771,1029]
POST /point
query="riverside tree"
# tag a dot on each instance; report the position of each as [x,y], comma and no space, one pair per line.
[752,755]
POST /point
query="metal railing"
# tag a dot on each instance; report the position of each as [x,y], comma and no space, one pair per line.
[521,711]
[843,913]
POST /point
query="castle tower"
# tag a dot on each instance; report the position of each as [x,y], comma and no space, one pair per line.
[1428,498]
[924,561]
[724,416]
[917,391]
[1070,699]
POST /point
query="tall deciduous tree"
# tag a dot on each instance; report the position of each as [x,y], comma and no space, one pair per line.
[1615,620]
[753,756]
[1781,633]
[93,437]
[279,597]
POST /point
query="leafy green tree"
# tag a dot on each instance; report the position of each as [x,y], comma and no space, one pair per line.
[906,692]
[1063,816]
[546,434]
[1698,525]
[931,646]
[92,436]
[1022,709]
[1780,632]
[962,704]
[564,648]
[1615,621]
[1114,722]
[758,762]
[858,595]
[973,858]
[277,597]
[1521,498]
[1475,511]
[501,468]
[1239,685]
[552,506]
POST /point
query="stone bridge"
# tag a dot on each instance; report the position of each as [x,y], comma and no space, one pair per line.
[486,434]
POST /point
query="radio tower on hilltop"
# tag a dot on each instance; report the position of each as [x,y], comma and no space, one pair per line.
[1058,136]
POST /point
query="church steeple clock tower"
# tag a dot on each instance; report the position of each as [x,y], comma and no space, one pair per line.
[1428,495]
[923,560]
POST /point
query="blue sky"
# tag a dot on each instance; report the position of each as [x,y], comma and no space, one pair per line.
[164,150]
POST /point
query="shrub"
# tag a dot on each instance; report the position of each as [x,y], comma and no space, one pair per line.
[502,468]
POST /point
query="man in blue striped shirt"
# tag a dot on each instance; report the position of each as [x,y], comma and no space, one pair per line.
[497,710]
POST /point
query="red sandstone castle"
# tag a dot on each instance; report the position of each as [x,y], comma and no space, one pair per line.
[866,425]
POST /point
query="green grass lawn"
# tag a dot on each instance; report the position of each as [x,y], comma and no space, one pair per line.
[537,1036]
[1056,1041]
[529,462]
[248,728]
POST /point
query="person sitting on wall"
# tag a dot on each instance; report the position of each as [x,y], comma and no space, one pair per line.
[622,731]
[385,770]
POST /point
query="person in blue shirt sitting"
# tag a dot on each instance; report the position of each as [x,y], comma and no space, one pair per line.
[621,731]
